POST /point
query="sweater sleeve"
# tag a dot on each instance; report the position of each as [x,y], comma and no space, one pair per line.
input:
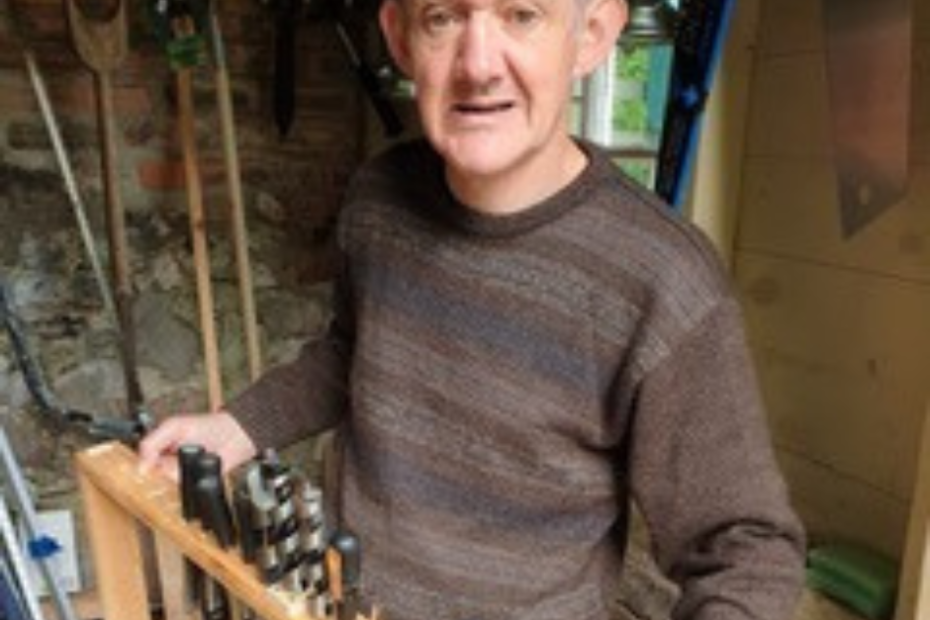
[307,395]
[704,476]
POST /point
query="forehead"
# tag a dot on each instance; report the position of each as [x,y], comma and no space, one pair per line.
[560,5]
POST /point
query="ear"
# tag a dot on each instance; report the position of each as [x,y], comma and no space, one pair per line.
[392,20]
[603,22]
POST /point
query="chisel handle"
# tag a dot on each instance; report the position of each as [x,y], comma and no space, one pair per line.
[212,506]
[344,562]
[189,472]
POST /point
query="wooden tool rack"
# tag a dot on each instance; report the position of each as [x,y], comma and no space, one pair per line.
[121,504]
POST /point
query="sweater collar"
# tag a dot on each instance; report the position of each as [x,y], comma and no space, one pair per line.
[472,221]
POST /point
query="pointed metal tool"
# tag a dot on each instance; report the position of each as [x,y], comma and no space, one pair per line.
[869,46]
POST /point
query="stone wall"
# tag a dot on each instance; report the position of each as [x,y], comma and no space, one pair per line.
[292,189]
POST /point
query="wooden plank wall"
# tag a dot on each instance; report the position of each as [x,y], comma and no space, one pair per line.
[840,327]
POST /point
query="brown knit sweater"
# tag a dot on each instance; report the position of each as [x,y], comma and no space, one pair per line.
[506,384]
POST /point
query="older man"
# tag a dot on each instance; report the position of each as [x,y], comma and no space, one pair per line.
[523,342]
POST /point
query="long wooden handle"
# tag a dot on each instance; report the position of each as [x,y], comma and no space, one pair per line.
[199,238]
[116,236]
[236,205]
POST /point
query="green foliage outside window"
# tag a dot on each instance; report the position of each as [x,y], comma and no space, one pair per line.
[633,64]
[639,170]
[630,116]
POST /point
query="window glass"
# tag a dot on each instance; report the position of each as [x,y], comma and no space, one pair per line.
[635,81]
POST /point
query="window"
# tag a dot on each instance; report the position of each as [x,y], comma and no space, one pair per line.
[622,105]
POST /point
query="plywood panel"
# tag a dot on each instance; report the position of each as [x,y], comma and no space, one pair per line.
[840,328]
[843,358]
[920,115]
[922,20]
[789,115]
[790,209]
[837,507]
[790,26]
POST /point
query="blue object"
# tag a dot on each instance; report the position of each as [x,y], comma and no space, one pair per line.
[43,547]
[11,603]
[702,29]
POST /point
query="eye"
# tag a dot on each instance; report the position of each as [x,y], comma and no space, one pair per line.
[437,20]
[523,16]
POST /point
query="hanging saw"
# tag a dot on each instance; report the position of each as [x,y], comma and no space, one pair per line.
[701,30]
[97,426]
[869,54]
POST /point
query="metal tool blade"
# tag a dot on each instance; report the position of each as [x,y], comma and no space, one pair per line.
[868,51]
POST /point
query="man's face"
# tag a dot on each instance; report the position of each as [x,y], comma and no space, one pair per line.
[492,77]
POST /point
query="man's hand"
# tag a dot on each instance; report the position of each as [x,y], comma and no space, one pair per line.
[218,432]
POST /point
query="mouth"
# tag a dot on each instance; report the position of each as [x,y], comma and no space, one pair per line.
[482,109]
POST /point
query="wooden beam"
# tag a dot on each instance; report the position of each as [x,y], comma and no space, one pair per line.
[114,540]
[914,588]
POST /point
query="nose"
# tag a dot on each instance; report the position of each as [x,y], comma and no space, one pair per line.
[480,49]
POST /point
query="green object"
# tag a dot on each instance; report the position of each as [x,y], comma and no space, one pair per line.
[862,579]
[180,27]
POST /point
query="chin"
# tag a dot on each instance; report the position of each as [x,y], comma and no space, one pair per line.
[480,157]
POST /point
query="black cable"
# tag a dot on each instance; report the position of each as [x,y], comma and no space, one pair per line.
[98,426]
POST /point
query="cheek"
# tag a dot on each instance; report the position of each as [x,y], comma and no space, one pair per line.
[431,76]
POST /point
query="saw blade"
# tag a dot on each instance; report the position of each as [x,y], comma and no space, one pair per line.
[868,52]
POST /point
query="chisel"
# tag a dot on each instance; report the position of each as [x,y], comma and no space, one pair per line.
[216,517]
[344,563]
[188,458]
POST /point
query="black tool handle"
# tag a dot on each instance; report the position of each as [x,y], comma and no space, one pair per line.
[286,19]
[390,122]
[189,465]
[349,549]
[245,522]
[348,546]
[212,505]
[189,471]
[216,517]
[369,81]
[214,601]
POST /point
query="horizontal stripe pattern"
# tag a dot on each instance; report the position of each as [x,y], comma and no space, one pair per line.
[505,382]
[484,445]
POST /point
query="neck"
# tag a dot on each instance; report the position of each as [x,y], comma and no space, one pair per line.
[520,188]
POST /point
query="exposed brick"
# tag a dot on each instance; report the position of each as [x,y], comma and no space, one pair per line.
[142,132]
[168,175]
[159,175]
[44,19]
[73,94]
[10,56]
[33,135]
[132,101]
[27,136]
[16,100]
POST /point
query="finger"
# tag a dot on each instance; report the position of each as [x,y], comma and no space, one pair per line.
[159,443]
